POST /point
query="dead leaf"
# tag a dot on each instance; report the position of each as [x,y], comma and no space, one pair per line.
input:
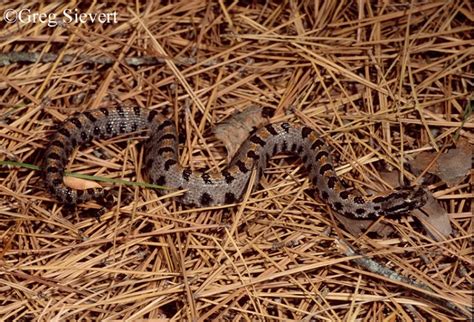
[451,167]
[358,227]
[391,177]
[432,216]
[80,184]
[235,130]
[437,222]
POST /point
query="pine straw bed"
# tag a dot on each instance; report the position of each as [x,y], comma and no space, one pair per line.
[382,82]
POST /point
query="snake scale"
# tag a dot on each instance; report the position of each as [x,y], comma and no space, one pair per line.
[161,164]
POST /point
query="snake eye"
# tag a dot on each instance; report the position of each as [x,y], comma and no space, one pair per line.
[404,201]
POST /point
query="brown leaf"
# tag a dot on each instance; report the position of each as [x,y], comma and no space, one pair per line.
[80,184]
[235,130]
[358,227]
[451,167]
[436,222]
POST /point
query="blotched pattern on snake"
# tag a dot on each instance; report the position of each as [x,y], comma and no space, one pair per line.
[227,186]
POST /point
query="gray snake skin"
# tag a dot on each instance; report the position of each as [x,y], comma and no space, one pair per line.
[207,189]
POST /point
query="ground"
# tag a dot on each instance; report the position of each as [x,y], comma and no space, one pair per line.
[382,82]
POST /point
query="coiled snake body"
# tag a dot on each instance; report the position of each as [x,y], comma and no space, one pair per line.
[206,189]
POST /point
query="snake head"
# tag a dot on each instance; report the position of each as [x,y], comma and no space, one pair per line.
[403,201]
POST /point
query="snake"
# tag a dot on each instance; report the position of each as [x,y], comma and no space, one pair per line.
[202,188]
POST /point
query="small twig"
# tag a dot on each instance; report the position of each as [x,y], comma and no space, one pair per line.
[33,57]
[379,269]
